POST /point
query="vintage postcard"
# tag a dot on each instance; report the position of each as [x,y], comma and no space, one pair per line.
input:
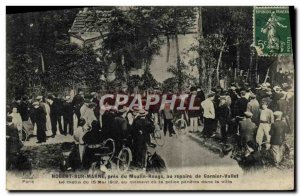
[150,98]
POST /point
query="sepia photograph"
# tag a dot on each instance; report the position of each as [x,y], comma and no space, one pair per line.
[189,98]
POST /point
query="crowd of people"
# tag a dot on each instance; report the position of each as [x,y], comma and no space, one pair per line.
[257,118]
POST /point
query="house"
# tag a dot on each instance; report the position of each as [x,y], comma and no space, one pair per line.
[85,31]
[90,28]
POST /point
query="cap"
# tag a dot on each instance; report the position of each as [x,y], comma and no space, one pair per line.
[211,94]
[124,86]
[35,103]
[248,114]
[264,85]
[276,88]
[223,97]
[252,95]
[143,112]
[122,109]
[39,97]
[278,113]
[269,93]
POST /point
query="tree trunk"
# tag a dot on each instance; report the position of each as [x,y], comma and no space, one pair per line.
[168,48]
[177,48]
[238,51]
[180,79]
[201,64]
[200,23]
[219,61]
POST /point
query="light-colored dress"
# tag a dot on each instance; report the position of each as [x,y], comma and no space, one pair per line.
[17,120]
[48,120]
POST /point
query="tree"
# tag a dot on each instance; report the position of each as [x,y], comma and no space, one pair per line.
[132,39]
[31,37]
[219,30]
[174,21]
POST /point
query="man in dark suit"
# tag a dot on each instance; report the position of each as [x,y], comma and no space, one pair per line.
[24,109]
[40,117]
[241,104]
[141,129]
[247,129]
[77,102]
[54,114]
[68,116]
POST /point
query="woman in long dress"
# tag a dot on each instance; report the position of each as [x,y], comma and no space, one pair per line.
[16,118]
[48,120]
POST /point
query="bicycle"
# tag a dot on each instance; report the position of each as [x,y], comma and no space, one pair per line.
[180,126]
[157,135]
[124,158]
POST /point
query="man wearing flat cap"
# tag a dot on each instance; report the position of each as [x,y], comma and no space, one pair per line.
[223,116]
[277,133]
[247,129]
[67,112]
[266,119]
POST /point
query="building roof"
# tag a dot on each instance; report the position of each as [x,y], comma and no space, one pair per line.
[87,21]
[87,35]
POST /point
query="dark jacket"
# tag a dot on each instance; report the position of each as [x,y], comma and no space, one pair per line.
[201,95]
[13,142]
[197,103]
[77,101]
[282,105]
[24,110]
[247,130]
[141,129]
[223,114]
[55,109]
[120,130]
[39,115]
[107,125]
[67,110]
[93,137]
[277,132]
[241,106]
[155,164]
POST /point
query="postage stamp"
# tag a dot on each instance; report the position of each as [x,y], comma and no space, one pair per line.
[271,29]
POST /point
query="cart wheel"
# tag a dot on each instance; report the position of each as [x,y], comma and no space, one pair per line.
[158,137]
[180,126]
[110,144]
[124,160]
